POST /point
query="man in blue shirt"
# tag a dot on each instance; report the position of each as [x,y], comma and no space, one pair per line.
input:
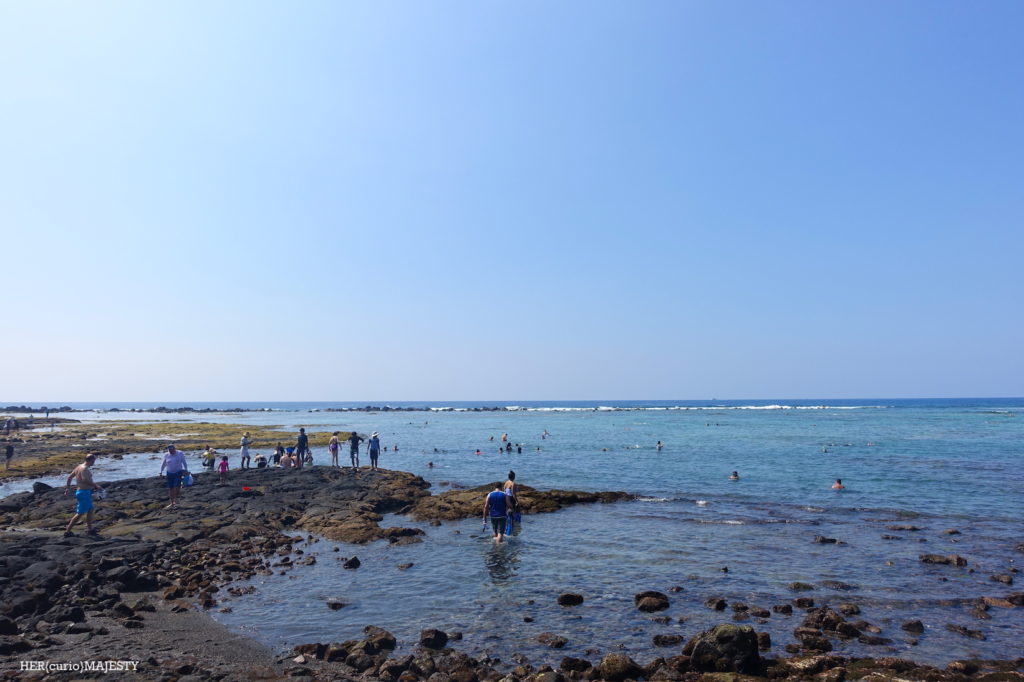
[496,507]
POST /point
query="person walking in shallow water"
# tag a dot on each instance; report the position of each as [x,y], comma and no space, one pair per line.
[82,475]
[496,509]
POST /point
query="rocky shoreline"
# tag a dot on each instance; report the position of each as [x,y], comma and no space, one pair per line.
[138,591]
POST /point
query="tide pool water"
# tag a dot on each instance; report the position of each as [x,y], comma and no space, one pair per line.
[934,465]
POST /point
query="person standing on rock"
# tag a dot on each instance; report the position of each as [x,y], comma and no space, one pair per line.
[354,440]
[82,475]
[496,508]
[373,445]
[301,447]
[176,467]
[333,446]
[8,455]
[244,452]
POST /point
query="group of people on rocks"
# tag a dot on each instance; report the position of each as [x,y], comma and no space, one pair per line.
[296,456]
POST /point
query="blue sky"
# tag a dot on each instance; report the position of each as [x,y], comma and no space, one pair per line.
[530,200]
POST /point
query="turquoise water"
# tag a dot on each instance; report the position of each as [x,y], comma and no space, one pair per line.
[933,464]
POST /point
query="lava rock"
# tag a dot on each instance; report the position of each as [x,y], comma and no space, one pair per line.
[667,640]
[950,560]
[914,627]
[551,640]
[570,599]
[961,630]
[716,603]
[570,664]
[618,667]
[651,601]
[433,639]
[725,648]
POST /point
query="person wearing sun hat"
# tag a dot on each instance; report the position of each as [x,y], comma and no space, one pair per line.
[374,446]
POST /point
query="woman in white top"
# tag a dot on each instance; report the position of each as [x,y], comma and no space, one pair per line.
[245,451]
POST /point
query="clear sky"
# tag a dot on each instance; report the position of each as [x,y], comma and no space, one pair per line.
[511,200]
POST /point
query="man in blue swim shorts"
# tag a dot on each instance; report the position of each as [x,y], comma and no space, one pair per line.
[496,507]
[82,474]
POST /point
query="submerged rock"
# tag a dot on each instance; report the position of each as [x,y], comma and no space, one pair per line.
[570,599]
[951,560]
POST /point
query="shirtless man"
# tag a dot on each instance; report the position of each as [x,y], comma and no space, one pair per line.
[82,474]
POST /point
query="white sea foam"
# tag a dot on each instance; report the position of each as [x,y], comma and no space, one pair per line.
[687,408]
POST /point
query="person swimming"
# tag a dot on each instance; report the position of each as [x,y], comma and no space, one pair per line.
[838,485]
[735,476]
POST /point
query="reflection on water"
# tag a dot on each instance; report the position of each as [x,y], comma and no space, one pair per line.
[502,559]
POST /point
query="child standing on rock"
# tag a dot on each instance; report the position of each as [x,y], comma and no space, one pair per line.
[223,468]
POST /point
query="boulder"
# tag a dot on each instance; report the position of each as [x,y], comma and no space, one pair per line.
[915,627]
[803,603]
[352,563]
[570,664]
[716,603]
[1004,578]
[381,639]
[433,639]
[651,601]
[570,599]
[667,640]
[618,667]
[800,587]
[725,648]
[551,640]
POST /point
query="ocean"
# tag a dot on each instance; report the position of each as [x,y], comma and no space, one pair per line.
[930,464]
